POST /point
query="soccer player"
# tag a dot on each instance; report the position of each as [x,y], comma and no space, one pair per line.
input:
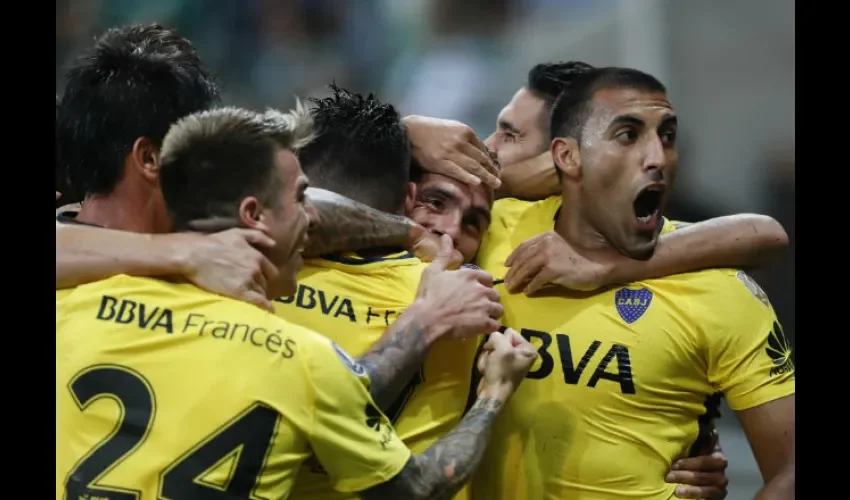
[120,97]
[169,391]
[361,150]
[521,141]
[629,375]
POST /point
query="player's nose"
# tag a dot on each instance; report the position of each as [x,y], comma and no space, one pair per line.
[447,224]
[655,156]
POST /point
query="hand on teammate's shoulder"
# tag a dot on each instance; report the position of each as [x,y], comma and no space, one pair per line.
[547,260]
[230,263]
[462,303]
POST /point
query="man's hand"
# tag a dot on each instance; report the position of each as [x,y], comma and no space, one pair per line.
[504,361]
[531,179]
[426,245]
[463,301]
[58,195]
[230,263]
[548,259]
[452,149]
[704,475]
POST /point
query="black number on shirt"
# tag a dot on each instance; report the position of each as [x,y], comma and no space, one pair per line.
[394,411]
[136,399]
[244,442]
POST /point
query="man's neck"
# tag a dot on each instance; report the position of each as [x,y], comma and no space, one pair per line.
[127,211]
[579,233]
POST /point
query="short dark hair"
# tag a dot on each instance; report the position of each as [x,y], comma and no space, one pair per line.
[360,149]
[134,82]
[212,160]
[573,107]
[547,80]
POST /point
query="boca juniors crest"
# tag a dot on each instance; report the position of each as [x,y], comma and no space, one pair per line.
[631,304]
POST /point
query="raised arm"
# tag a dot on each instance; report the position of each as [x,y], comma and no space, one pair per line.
[770,431]
[227,263]
[343,224]
[735,241]
[457,303]
[86,254]
[444,468]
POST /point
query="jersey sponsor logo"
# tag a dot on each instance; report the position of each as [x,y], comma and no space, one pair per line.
[617,355]
[375,420]
[145,316]
[631,304]
[336,306]
[779,350]
[753,287]
[329,304]
[349,362]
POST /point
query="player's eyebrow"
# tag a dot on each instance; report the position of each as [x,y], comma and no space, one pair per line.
[670,121]
[440,191]
[506,125]
[626,120]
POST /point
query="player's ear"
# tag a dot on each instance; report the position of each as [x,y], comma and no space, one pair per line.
[566,155]
[410,198]
[252,215]
[145,158]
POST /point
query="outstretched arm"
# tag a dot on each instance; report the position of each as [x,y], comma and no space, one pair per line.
[735,241]
[86,254]
[444,468]
[343,224]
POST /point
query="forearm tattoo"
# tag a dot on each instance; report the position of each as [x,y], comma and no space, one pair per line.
[346,225]
[391,363]
[446,466]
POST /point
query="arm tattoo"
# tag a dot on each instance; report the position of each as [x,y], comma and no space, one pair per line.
[392,362]
[346,225]
[446,466]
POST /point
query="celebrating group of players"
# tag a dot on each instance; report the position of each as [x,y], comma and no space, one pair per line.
[208,299]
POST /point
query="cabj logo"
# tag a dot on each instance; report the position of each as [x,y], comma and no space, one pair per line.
[779,351]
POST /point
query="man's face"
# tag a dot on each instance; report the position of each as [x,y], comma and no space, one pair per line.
[521,129]
[288,223]
[448,206]
[628,162]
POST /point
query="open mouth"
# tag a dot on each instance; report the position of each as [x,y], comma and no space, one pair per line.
[647,206]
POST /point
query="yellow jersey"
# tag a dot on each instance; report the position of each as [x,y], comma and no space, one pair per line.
[167,391]
[353,300]
[625,376]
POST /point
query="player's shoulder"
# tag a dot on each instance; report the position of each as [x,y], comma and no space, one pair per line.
[391,276]
[733,289]
[508,211]
[354,263]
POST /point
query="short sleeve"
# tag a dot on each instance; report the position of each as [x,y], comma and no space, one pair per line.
[351,438]
[749,357]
